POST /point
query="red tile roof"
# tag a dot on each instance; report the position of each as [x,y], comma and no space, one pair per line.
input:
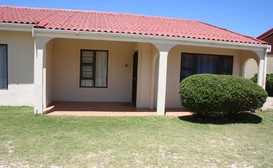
[75,20]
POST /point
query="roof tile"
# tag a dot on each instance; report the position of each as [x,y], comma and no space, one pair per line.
[75,20]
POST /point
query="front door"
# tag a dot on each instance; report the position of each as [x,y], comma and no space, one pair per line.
[134,80]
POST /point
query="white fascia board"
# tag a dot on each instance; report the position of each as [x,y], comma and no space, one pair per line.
[148,39]
[16,27]
[269,49]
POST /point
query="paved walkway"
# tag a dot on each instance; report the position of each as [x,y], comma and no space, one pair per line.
[268,104]
[105,109]
[116,109]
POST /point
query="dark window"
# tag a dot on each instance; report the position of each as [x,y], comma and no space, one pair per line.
[205,63]
[3,66]
[94,67]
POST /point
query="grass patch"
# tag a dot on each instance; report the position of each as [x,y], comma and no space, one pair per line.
[44,141]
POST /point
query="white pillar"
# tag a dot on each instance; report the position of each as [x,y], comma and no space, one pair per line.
[39,54]
[162,77]
[262,68]
[153,81]
[162,82]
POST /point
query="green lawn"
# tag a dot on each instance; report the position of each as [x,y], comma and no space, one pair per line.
[27,140]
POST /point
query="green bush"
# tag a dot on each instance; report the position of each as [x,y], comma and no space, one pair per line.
[220,94]
[268,84]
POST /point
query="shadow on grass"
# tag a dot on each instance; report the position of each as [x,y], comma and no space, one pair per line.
[240,118]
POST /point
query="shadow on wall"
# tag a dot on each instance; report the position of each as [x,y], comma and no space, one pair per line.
[242,118]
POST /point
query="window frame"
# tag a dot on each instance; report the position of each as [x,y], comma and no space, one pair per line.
[94,68]
[195,62]
[7,77]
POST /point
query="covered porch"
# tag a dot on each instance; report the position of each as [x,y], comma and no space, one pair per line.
[158,72]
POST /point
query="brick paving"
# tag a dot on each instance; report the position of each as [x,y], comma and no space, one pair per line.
[105,109]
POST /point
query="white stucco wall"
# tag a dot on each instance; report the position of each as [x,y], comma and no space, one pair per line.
[144,75]
[66,70]
[62,70]
[251,68]
[147,52]
[20,69]
[270,63]
[48,73]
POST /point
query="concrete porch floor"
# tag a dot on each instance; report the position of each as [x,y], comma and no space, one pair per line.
[105,109]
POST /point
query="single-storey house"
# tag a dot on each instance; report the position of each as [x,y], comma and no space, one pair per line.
[51,55]
[252,66]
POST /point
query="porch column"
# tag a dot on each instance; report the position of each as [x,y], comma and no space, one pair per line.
[39,54]
[163,50]
[262,68]
[153,81]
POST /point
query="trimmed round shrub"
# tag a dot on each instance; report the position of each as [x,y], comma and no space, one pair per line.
[223,94]
[268,84]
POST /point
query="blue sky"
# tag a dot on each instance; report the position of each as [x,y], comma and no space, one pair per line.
[249,17]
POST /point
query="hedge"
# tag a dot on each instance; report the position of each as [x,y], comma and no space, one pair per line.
[225,94]
[268,85]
